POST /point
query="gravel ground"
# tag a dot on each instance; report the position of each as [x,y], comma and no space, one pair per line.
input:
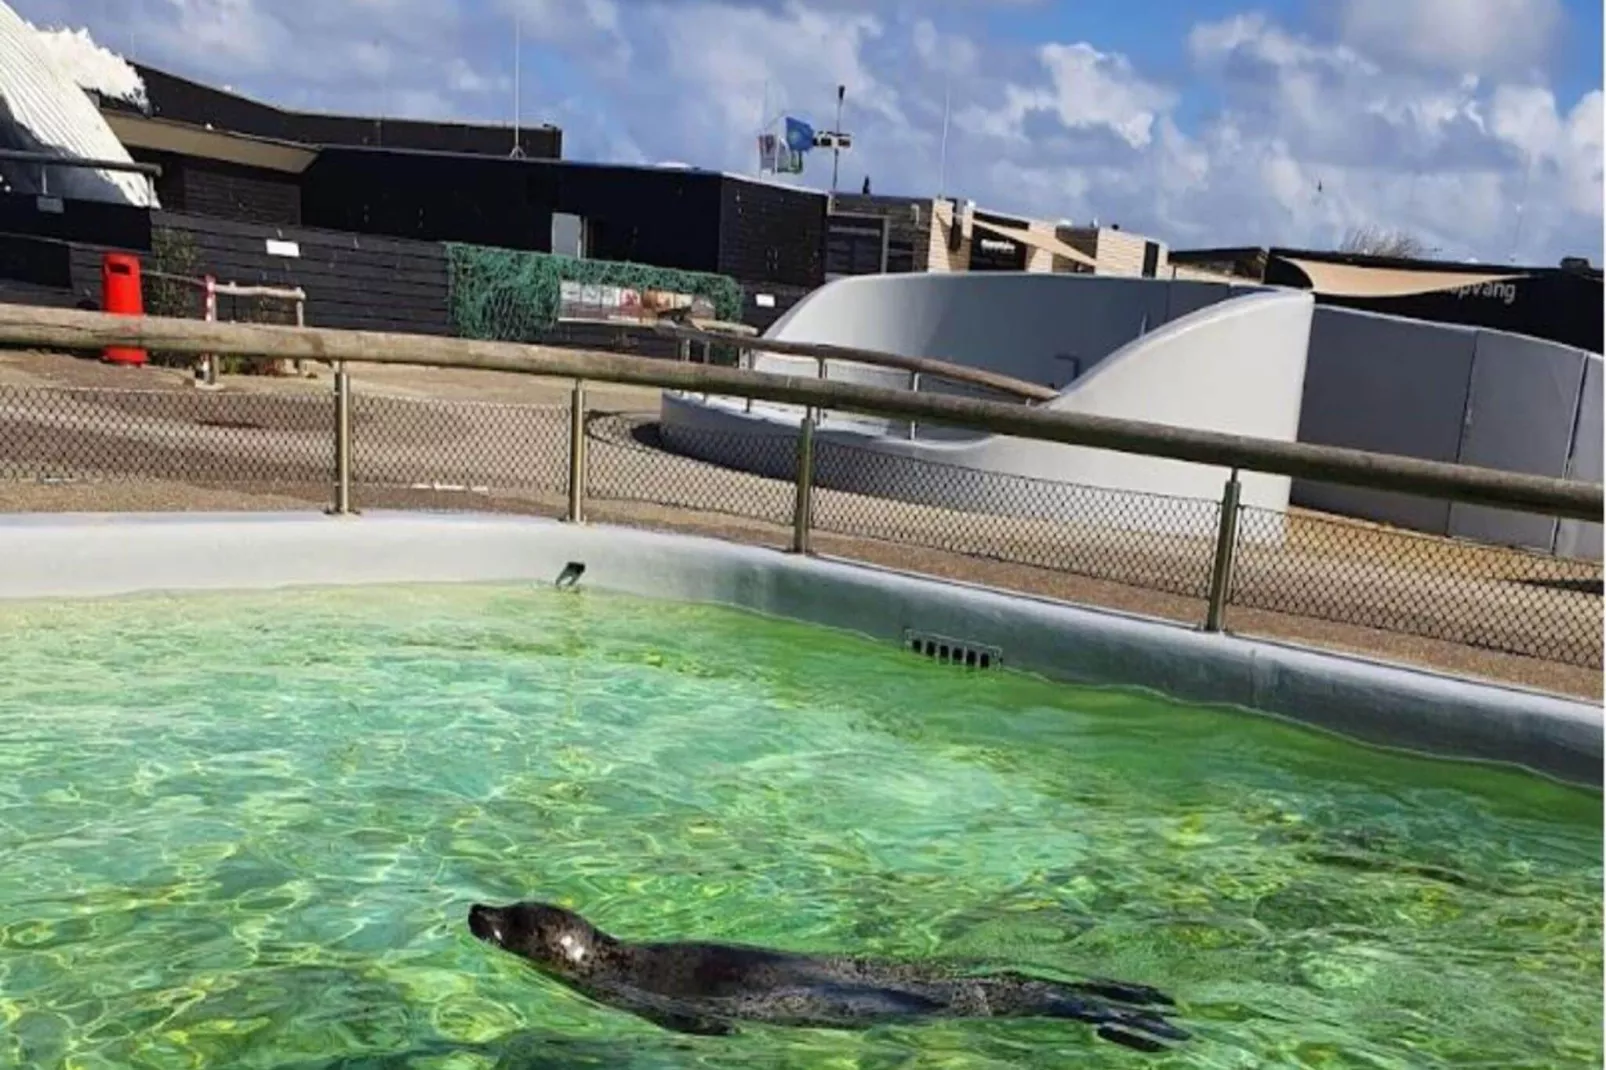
[145,439]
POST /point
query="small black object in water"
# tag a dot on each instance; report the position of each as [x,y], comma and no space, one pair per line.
[704,988]
[571,574]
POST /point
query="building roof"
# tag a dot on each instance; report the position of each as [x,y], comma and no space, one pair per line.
[1258,255]
[193,119]
[138,131]
[179,99]
[576,165]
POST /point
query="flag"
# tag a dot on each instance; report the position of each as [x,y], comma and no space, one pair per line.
[769,150]
[799,136]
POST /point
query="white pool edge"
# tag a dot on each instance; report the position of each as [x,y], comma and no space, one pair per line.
[100,555]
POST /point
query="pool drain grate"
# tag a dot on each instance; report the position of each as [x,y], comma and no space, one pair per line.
[952,651]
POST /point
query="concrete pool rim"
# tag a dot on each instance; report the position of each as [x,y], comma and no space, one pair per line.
[90,555]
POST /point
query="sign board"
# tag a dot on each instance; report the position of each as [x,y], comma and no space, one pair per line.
[624,304]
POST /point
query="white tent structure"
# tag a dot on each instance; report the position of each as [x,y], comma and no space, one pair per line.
[44,109]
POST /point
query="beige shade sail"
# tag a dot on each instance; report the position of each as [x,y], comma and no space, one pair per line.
[185,139]
[1353,280]
[1046,242]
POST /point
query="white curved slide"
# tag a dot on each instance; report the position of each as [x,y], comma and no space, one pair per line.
[42,109]
[1231,360]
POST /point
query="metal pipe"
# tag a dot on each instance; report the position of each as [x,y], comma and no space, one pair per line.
[342,505]
[149,170]
[301,322]
[914,388]
[209,295]
[1226,546]
[577,452]
[959,373]
[803,505]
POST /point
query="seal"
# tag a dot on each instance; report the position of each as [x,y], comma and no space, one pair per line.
[706,988]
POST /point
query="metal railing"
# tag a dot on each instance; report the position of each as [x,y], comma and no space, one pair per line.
[820,353]
[569,459]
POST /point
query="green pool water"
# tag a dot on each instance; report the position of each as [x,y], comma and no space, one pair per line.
[243,830]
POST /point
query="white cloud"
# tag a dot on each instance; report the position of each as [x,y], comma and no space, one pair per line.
[950,55]
[1454,36]
[1086,90]
[1430,115]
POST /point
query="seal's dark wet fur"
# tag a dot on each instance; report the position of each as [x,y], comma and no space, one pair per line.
[705,988]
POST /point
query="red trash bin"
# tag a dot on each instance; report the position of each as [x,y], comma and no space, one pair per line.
[119,278]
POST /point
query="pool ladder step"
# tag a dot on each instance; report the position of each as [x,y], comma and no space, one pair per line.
[951,651]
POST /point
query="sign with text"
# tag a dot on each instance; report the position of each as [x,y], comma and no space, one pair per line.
[624,304]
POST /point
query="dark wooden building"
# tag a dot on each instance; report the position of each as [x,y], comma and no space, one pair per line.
[768,237]
[381,187]
[230,157]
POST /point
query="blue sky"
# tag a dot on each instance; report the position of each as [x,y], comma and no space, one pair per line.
[1473,125]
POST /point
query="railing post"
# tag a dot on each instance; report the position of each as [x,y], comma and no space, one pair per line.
[744,361]
[577,452]
[342,504]
[209,313]
[914,388]
[803,504]
[822,375]
[1226,545]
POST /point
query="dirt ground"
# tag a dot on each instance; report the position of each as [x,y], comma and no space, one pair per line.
[132,439]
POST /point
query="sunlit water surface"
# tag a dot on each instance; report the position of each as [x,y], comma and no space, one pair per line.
[243,830]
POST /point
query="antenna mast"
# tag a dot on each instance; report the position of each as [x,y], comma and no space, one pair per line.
[518,50]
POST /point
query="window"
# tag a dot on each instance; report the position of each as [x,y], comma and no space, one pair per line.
[853,245]
[568,235]
[1151,258]
[900,257]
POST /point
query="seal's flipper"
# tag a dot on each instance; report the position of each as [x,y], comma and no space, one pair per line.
[1100,987]
[1122,992]
[1129,1040]
[690,1024]
[1121,1025]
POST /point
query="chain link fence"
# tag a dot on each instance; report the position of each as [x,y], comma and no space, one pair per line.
[629,461]
[1152,541]
[473,447]
[424,452]
[94,434]
[1349,572]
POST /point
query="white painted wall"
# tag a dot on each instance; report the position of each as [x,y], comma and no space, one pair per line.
[1038,327]
[1235,366]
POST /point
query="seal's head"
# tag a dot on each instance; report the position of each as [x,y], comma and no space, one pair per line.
[545,935]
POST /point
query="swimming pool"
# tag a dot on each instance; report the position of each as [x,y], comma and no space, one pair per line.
[243,829]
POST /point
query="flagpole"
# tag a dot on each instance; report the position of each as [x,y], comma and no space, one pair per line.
[763,123]
[942,160]
[836,145]
[518,49]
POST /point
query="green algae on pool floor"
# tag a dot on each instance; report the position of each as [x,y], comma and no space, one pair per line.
[244,829]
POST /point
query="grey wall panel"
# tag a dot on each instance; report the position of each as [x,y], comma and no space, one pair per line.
[1519,419]
[1574,538]
[1039,327]
[1388,385]
[1185,296]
